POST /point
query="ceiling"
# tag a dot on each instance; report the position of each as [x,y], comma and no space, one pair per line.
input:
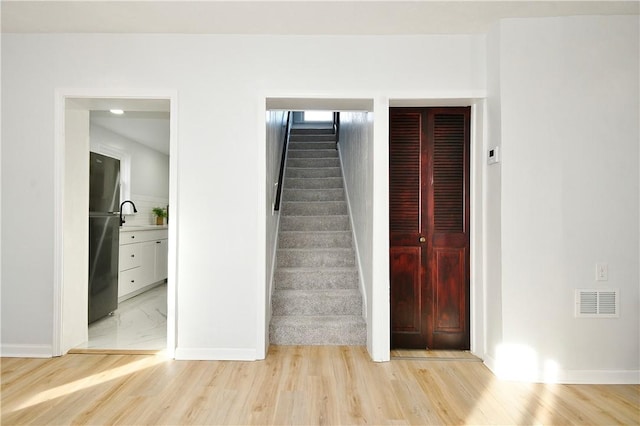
[144,120]
[150,128]
[355,17]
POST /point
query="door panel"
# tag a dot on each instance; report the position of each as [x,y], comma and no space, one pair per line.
[428,218]
[448,295]
[406,218]
[407,297]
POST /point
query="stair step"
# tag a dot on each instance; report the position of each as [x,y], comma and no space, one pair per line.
[305,258]
[296,137]
[317,239]
[316,302]
[310,172]
[315,278]
[310,131]
[313,153]
[333,194]
[314,208]
[313,162]
[318,330]
[315,223]
[312,145]
[319,183]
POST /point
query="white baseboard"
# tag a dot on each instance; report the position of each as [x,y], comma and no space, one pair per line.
[573,377]
[361,283]
[211,354]
[26,351]
[601,377]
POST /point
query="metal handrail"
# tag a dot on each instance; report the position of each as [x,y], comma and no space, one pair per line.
[336,127]
[283,159]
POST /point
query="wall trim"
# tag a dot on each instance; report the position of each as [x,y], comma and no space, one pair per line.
[26,351]
[601,377]
[216,354]
[356,247]
[573,377]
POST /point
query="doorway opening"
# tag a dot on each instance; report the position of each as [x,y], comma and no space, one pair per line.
[310,239]
[140,142]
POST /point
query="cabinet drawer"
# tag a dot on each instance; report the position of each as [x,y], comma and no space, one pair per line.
[131,237]
[129,281]
[129,257]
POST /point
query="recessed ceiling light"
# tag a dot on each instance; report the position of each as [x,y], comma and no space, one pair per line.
[116,111]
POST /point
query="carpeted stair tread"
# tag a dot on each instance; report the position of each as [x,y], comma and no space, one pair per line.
[318,330]
[313,153]
[313,162]
[314,208]
[302,278]
[315,223]
[312,131]
[312,145]
[313,183]
[315,239]
[312,138]
[316,298]
[316,302]
[315,257]
[297,194]
[313,172]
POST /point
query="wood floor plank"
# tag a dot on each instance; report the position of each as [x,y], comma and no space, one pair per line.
[310,385]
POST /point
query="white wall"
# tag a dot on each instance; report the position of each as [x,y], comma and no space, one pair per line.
[566,88]
[569,104]
[222,83]
[356,156]
[275,128]
[491,201]
[149,173]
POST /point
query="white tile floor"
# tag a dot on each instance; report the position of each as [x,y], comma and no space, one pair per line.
[139,323]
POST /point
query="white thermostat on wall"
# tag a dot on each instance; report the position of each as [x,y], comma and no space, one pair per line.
[493,155]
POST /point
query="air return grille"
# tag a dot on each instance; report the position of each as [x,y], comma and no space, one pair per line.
[592,303]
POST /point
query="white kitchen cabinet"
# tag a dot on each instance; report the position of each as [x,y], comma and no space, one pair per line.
[161,259]
[143,260]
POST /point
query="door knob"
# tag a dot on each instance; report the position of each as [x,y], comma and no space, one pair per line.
[422,239]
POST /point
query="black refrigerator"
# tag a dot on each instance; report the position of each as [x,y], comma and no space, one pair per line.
[104,235]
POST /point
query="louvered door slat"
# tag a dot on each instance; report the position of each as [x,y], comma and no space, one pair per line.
[448,172]
[404,172]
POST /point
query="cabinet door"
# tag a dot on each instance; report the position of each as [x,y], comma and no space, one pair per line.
[162,257]
[147,263]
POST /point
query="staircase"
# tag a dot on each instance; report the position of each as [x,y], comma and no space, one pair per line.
[316,298]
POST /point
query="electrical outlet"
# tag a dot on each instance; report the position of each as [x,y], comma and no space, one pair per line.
[602,272]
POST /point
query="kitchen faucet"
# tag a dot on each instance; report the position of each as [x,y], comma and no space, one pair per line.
[122,204]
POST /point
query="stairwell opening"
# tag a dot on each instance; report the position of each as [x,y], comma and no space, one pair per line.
[315,292]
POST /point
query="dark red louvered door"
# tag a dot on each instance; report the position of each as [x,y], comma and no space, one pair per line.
[428,227]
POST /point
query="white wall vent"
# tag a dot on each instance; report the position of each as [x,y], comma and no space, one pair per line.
[592,303]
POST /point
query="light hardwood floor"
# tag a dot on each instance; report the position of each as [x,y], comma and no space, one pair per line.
[294,385]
